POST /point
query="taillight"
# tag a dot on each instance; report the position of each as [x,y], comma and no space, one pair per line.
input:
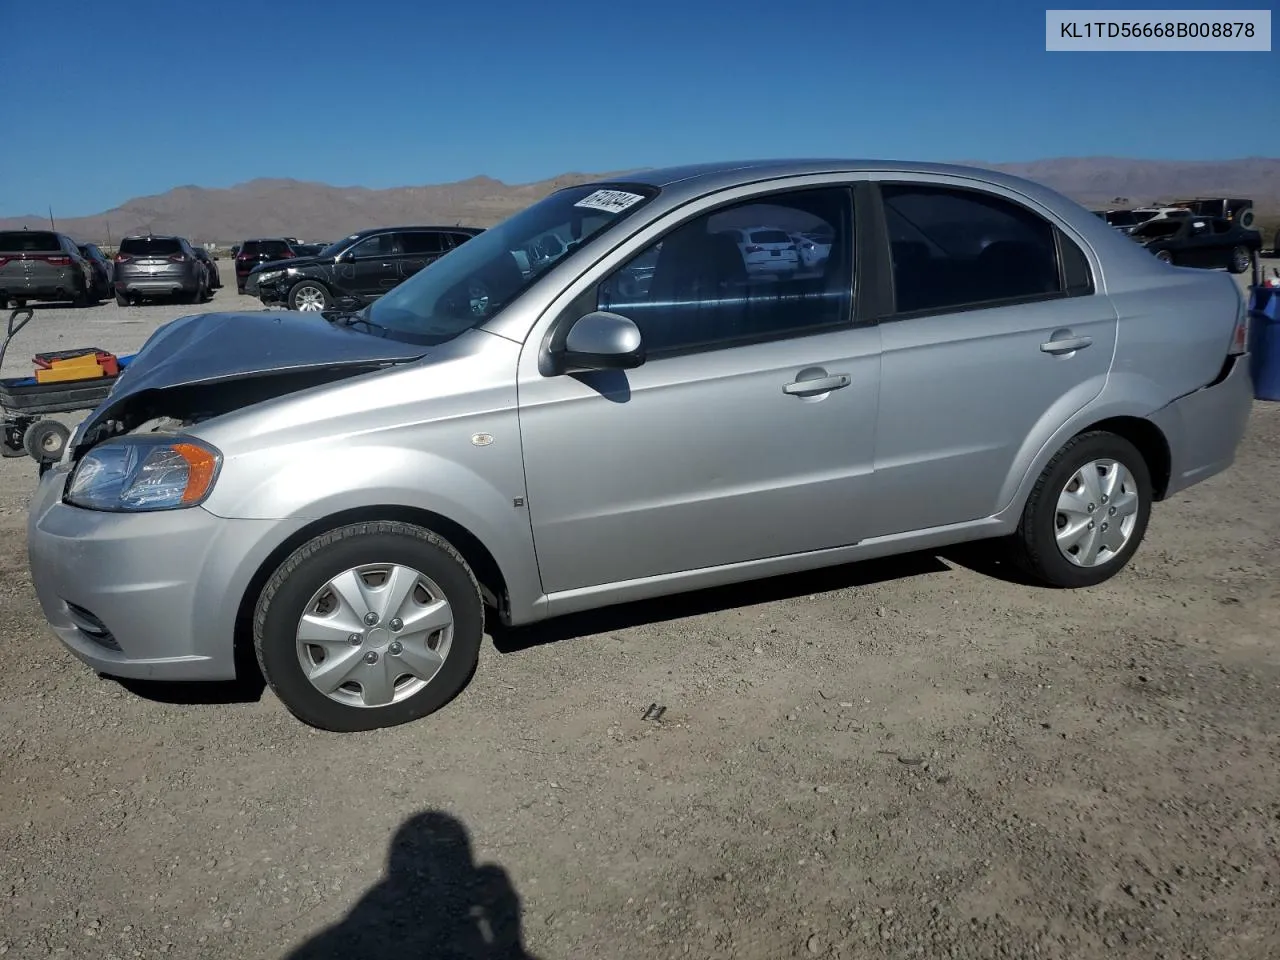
[289,255]
[1240,335]
[178,257]
[754,249]
[4,260]
[58,261]
[123,258]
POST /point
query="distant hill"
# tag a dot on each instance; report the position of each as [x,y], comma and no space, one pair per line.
[318,211]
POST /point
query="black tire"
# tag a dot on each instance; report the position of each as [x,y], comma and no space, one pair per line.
[86,298]
[240,289]
[311,566]
[1245,217]
[122,300]
[309,285]
[1165,256]
[1035,547]
[46,440]
[1240,260]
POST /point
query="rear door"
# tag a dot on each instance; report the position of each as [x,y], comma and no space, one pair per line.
[994,337]
[419,248]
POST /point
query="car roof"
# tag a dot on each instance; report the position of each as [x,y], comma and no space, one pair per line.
[152,236]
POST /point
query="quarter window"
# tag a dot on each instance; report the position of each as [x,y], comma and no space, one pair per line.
[952,248]
[774,267]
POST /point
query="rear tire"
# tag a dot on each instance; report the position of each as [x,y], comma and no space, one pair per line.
[122,300]
[46,440]
[303,587]
[1073,495]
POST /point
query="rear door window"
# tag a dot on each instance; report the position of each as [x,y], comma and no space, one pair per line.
[150,246]
[423,242]
[271,249]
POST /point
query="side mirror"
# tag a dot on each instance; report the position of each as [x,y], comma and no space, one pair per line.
[601,341]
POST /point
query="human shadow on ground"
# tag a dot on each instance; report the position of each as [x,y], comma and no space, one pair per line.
[434,903]
[713,600]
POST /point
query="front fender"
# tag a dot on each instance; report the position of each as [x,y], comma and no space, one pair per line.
[311,484]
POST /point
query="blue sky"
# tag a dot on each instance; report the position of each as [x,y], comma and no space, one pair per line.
[108,101]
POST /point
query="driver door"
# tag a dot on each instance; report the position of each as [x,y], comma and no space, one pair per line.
[372,269]
[748,432]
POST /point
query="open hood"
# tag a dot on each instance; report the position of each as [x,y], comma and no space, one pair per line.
[212,363]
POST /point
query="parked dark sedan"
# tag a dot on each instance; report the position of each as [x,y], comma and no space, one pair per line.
[153,266]
[1200,242]
[255,252]
[356,270]
[43,265]
[104,270]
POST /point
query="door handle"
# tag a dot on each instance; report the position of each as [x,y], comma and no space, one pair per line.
[807,388]
[1066,345]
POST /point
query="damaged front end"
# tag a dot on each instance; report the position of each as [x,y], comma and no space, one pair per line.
[204,366]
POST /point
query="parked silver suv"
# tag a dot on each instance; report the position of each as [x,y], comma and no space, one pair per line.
[975,357]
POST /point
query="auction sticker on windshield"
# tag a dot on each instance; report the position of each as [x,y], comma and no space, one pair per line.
[610,201]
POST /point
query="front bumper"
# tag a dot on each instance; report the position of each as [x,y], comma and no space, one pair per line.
[1204,428]
[147,595]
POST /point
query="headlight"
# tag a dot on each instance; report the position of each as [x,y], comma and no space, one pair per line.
[269,276]
[144,473]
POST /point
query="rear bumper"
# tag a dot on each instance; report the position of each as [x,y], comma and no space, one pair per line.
[161,283]
[51,284]
[1204,428]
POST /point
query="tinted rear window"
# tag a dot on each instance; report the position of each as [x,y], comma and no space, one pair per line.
[29,241]
[272,248]
[150,246]
[769,236]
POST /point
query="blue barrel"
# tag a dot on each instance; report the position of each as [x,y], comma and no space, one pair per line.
[1264,342]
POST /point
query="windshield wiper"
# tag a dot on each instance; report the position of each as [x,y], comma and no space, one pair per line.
[349,318]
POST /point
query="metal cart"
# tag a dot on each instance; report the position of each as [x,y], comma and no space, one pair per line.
[25,404]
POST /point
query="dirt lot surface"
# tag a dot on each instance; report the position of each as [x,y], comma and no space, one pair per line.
[914,758]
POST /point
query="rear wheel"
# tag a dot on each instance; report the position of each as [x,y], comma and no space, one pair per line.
[45,440]
[1240,260]
[369,625]
[1087,513]
[122,300]
[309,297]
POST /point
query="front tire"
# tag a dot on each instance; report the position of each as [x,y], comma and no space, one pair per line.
[1165,256]
[309,296]
[1087,513]
[368,626]
[1240,260]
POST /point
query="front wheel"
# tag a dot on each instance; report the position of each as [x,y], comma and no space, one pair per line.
[368,626]
[309,297]
[1086,514]
[1165,256]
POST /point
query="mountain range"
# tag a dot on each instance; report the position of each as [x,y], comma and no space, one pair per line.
[318,211]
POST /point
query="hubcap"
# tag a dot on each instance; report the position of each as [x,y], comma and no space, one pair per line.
[350,657]
[1241,260]
[1097,511]
[310,299]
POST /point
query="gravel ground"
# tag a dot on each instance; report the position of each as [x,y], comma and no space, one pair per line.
[908,758]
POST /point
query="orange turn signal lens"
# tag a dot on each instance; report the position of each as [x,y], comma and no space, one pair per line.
[201,466]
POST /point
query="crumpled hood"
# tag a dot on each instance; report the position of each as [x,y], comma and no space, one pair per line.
[212,348]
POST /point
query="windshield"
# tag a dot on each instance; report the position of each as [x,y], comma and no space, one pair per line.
[474,282]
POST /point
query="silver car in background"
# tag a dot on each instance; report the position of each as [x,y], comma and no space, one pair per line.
[155,266]
[346,494]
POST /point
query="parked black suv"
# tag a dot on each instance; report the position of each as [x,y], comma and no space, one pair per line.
[357,269]
[251,253]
